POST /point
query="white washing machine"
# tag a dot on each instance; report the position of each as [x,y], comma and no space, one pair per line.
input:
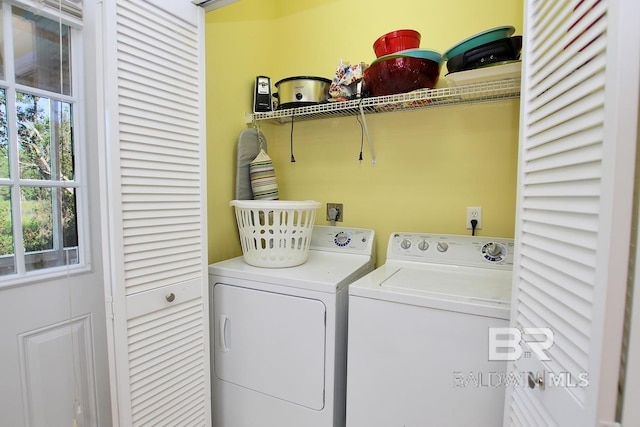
[419,333]
[279,335]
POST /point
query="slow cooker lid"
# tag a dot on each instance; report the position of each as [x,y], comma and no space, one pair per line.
[322,79]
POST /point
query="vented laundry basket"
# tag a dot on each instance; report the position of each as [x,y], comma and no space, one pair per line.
[275,233]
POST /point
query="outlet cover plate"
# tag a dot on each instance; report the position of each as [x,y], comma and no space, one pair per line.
[474,212]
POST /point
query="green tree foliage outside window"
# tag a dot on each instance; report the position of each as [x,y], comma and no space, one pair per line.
[45,154]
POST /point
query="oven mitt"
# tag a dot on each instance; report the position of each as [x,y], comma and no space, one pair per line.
[263,178]
[250,142]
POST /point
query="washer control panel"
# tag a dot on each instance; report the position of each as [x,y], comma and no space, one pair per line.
[342,239]
[494,252]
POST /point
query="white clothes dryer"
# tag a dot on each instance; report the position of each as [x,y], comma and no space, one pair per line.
[419,333]
[279,335]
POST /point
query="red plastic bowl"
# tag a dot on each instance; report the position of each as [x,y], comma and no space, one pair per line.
[399,75]
[396,40]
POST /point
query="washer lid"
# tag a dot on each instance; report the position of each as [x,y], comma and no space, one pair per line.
[469,290]
[472,283]
[323,271]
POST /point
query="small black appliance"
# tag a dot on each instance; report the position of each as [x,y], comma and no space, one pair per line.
[262,95]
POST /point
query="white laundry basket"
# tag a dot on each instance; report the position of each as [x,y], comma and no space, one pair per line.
[275,233]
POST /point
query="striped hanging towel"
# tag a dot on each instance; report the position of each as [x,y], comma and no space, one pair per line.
[263,177]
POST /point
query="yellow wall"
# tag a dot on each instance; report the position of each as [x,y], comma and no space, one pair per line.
[431,164]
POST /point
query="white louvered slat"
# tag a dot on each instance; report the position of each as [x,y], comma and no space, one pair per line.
[556,204]
[161,191]
[162,145]
[159,224]
[569,164]
[573,173]
[582,188]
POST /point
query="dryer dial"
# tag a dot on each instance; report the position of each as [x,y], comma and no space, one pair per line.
[342,239]
[423,245]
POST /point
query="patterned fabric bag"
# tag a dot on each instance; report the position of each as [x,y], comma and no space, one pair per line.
[263,178]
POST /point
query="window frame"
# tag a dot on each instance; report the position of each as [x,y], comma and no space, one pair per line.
[15,183]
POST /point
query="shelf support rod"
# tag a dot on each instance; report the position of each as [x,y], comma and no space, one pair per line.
[366,133]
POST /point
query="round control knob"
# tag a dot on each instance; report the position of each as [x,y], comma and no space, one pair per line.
[299,96]
[423,246]
[443,246]
[342,239]
[494,249]
[405,244]
[494,252]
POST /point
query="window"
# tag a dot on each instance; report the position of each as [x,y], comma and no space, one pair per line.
[40,184]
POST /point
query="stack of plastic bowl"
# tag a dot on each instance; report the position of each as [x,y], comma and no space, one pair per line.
[401,66]
[492,55]
[493,46]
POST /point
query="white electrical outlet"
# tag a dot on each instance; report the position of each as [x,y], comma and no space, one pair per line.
[474,212]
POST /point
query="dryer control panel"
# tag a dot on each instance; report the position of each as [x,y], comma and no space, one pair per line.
[473,251]
[342,239]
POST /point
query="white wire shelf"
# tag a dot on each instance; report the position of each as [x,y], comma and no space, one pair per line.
[419,99]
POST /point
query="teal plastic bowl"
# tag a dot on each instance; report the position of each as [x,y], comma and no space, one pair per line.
[431,55]
[479,39]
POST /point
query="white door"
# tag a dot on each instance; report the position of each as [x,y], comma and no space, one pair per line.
[155,181]
[574,214]
[271,343]
[53,360]
[53,347]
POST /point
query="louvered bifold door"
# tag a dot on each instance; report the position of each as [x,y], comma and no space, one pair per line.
[158,211]
[576,166]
